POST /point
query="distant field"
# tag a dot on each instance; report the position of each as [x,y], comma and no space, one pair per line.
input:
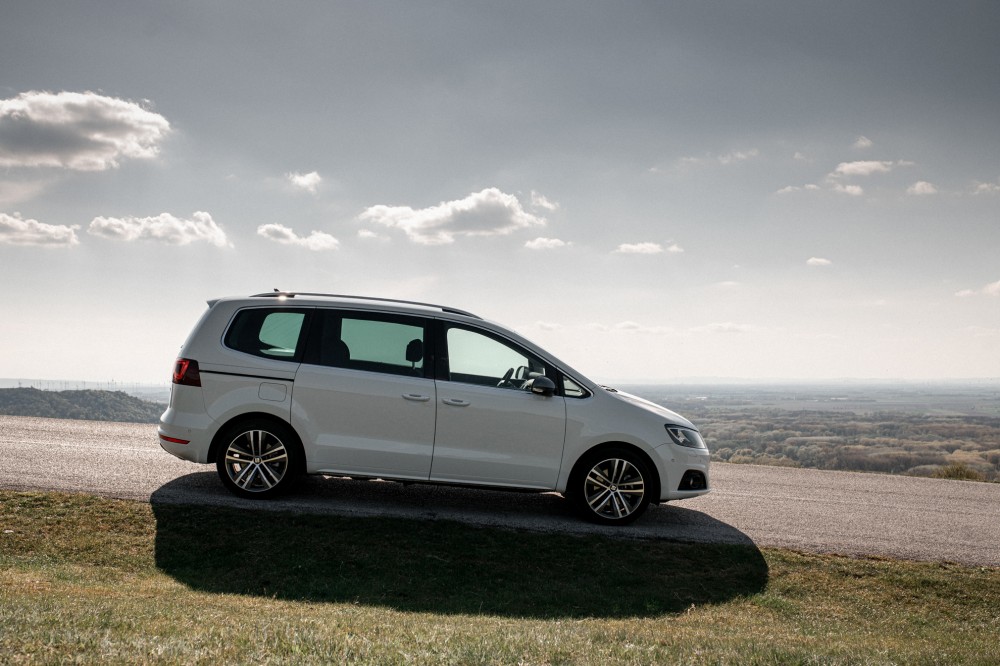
[936,431]
[947,431]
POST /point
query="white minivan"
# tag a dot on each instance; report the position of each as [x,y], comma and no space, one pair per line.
[280,384]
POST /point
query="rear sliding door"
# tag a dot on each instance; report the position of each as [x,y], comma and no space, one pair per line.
[363,397]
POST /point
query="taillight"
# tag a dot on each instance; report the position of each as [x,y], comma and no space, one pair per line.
[186,372]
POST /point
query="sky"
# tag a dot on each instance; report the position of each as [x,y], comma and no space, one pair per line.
[653,191]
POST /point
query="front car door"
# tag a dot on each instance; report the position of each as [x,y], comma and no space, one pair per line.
[490,428]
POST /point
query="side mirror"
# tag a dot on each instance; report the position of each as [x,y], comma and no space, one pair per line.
[542,386]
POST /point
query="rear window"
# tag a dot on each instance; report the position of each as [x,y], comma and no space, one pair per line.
[267,333]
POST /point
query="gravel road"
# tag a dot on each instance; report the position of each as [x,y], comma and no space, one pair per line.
[810,510]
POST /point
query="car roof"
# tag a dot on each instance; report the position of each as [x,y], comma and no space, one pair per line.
[351,299]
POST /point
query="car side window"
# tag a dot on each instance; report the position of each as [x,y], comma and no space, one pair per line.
[573,390]
[476,358]
[269,333]
[387,344]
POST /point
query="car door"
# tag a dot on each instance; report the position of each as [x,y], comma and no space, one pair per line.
[363,399]
[490,428]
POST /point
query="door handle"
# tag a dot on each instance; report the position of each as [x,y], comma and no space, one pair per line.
[416,397]
[456,402]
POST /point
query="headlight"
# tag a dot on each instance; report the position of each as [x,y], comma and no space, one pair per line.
[685,437]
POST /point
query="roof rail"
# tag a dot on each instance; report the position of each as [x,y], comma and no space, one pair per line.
[293,294]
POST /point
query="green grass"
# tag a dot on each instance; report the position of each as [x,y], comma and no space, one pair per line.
[85,579]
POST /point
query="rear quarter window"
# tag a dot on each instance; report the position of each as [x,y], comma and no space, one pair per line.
[268,333]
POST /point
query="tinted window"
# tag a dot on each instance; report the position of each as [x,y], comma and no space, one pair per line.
[475,358]
[356,341]
[267,333]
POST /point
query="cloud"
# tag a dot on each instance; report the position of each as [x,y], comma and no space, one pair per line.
[732,157]
[863,168]
[15,192]
[728,284]
[540,201]
[634,327]
[795,188]
[991,289]
[724,327]
[818,261]
[368,234]
[639,248]
[307,182]
[163,228]
[852,190]
[675,249]
[486,213]
[315,241]
[986,188]
[81,131]
[738,156]
[14,230]
[545,244]
[921,188]
[863,142]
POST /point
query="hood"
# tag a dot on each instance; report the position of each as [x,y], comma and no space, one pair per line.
[670,417]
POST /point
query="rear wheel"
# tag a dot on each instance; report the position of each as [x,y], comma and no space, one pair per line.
[258,458]
[612,486]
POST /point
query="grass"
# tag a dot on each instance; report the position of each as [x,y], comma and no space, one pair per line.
[85,579]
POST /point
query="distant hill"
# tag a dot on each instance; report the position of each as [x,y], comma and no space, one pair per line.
[88,405]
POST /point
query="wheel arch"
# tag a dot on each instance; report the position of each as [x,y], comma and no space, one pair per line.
[617,444]
[222,433]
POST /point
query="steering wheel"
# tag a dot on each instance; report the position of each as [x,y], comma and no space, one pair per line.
[506,378]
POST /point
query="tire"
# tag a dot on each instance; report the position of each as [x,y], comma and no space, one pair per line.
[612,486]
[259,458]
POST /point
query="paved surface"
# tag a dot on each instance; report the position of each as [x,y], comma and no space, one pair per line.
[810,510]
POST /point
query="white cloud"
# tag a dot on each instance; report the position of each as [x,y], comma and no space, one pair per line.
[368,234]
[738,156]
[987,188]
[991,289]
[82,131]
[724,327]
[863,168]
[15,192]
[635,327]
[818,261]
[14,230]
[164,227]
[307,182]
[639,248]
[920,188]
[315,241]
[548,326]
[629,327]
[852,190]
[675,249]
[799,156]
[863,142]
[486,213]
[540,201]
[732,157]
[545,244]
[983,332]
[795,188]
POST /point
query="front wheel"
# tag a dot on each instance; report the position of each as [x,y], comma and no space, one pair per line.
[612,487]
[258,459]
